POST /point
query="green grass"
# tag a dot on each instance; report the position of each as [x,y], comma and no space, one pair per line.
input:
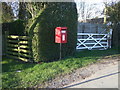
[35,74]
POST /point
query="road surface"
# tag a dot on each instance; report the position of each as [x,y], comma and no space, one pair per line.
[105,78]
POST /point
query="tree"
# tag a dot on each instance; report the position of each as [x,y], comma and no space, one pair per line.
[23,15]
[15,6]
[7,13]
[114,17]
[87,10]
[29,10]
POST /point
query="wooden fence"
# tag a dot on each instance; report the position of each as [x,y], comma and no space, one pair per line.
[18,47]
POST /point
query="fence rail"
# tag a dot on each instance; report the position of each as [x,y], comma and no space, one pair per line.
[18,47]
[92,41]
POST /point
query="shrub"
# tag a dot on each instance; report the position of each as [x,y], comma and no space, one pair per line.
[16,27]
[42,31]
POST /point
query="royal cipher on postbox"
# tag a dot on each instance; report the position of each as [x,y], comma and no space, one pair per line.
[61,35]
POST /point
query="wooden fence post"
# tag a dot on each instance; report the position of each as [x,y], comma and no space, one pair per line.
[18,46]
[30,49]
[6,40]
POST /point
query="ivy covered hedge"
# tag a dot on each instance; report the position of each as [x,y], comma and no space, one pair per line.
[16,27]
[42,31]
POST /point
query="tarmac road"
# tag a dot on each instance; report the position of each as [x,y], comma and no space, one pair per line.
[105,78]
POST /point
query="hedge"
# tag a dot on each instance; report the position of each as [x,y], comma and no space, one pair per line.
[16,27]
[42,31]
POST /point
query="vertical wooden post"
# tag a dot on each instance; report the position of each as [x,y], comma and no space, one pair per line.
[83,30]
[96,31]
[6,41]
[105,17]
[31,58]
[18,46]
[29,49]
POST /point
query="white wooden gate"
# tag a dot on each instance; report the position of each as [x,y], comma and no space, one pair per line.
[92,41]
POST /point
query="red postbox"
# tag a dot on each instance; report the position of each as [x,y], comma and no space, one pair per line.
[61,35]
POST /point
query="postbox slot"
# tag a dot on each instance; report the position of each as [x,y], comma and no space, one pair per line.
[63,31]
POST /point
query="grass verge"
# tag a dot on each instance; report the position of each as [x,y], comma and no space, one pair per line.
[16,74]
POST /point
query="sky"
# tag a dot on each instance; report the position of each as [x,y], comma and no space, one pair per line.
[99,5]
[90,1]
[96,1]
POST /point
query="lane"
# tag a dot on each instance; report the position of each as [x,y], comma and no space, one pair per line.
[105,78]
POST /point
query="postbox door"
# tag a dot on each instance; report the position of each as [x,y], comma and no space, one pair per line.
[57,35]
[63,36]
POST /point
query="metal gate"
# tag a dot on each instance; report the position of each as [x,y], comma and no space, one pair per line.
[92,41]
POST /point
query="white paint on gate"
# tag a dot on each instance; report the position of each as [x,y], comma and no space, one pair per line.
[92,41]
